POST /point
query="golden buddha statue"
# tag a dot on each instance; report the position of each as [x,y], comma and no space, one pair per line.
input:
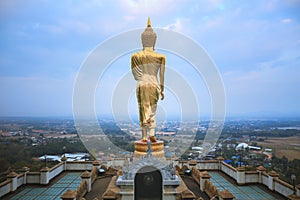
[145,66]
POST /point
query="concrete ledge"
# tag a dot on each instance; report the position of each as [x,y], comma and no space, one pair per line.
[228,166]
[56,166]
[284,183]
[251,172]
[8,181]
[34,173]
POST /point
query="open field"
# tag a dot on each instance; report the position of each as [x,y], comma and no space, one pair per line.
[285,146]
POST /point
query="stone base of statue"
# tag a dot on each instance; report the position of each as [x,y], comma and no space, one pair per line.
[148,178]
[141,148]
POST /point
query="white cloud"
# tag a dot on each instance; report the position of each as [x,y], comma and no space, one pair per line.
[286,20]
[148,7]
[180,25]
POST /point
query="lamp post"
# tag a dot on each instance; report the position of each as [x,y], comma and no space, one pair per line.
[293,178]
[241,155]
[240,158]
[64,150]
[45,157]
[44,148]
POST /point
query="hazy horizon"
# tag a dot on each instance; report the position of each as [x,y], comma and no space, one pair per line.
[244,116]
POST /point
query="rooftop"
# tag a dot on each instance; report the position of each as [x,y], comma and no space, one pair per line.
[222,182]
[64,182]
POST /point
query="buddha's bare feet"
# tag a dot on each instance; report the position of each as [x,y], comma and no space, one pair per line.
[153,139]
[144,140]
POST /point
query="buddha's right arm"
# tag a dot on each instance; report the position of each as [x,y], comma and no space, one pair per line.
[135,68]
[162,77]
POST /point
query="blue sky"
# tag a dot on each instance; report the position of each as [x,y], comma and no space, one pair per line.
[254,44]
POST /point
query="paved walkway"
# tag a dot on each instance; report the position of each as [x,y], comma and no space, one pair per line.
[194,187]
[98,188]
[101,183]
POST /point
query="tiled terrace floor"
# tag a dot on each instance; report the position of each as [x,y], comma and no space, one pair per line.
[241,192]
[68,182]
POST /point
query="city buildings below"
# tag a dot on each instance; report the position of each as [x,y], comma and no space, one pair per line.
[68,156]
[244,146]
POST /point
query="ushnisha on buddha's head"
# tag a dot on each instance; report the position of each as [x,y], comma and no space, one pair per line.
[148,36]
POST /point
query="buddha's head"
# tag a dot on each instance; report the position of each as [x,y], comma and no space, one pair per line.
[148,36]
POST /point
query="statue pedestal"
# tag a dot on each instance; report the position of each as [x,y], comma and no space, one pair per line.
[140,149]
[148,178]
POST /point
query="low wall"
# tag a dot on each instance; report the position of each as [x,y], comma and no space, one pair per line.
[5,187]
[20,180]
[229,170]
[251,177]
[203,165]
[283,188]
[79,166]
[56,170]
[33,178]
[265,179]
[207,165]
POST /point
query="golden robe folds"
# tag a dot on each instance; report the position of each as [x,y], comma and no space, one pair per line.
[145,66]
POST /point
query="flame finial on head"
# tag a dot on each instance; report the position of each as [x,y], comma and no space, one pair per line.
[149,22]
